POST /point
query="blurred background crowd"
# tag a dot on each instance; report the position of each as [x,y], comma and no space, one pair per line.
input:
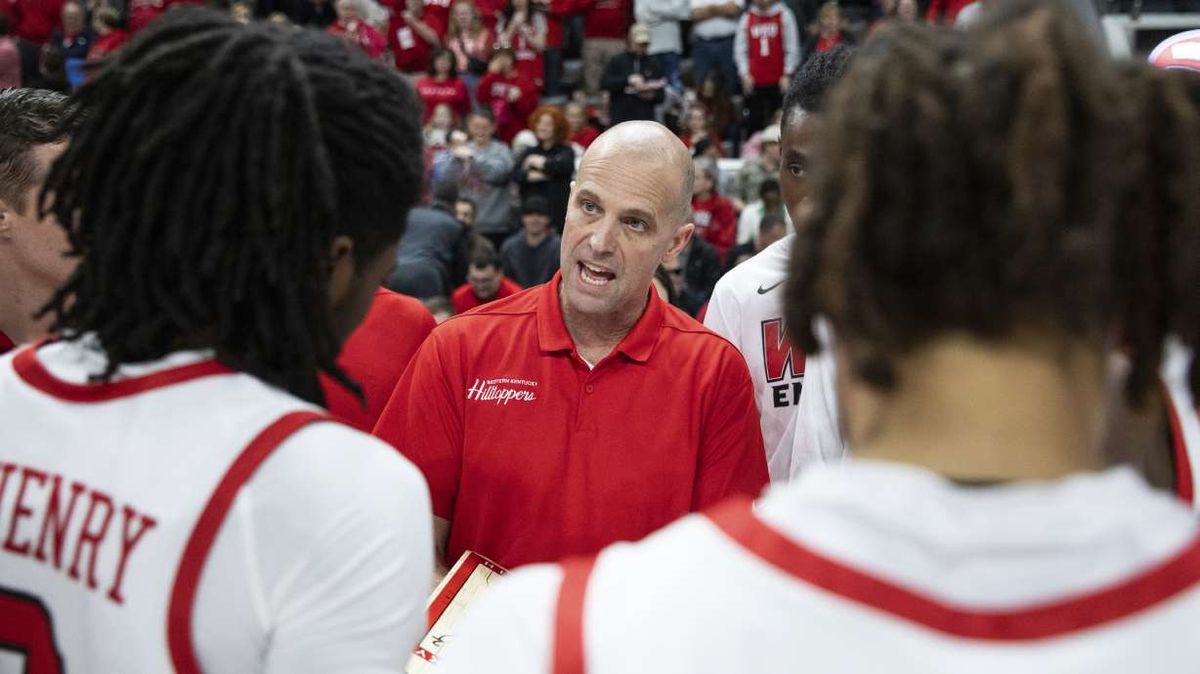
[514,92]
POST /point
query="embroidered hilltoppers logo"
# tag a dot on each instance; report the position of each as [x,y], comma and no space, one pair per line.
[503,390]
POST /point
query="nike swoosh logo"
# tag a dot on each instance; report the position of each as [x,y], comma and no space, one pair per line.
[764,291]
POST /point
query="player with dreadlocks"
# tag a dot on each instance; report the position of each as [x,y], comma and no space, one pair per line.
[171,498]
[979,203]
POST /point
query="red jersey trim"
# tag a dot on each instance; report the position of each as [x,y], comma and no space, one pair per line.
[195,553]
[568,621]
[1184,488]
[30,369]
[1040,621]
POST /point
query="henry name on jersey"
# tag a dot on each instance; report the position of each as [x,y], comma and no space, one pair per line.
[37,512]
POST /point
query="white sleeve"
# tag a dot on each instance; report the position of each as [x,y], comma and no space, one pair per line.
[791,43]
[741,54]
[748,223]
[323,563]
[818,437]
[510,628]
[724,315]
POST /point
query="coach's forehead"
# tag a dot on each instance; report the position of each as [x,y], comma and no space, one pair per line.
[643,154]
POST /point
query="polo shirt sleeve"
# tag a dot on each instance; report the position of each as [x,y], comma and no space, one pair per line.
[423,419]
[732,458]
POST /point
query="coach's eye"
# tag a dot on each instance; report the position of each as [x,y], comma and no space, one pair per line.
[635,224]
[588,207]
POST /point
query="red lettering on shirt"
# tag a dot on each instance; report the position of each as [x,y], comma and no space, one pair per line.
[780,358]
[45,506]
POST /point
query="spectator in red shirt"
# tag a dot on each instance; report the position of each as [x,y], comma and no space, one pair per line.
[32,264]
[142,12]
[106,22]
[557,12]
[583,132]
[766,49]
[606,25]
[375,355]
[699,128]
[10,57]
[411,38]
[829,31]
[712,213]
[32,22]
[351,27]
[509,96]
[486,281]
[441,85]
[945,11]
[522,27]
[541,422]
[470,40]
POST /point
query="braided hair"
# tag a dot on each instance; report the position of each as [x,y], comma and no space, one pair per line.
[999,182]
[212,167]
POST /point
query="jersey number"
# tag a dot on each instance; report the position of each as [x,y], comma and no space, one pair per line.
[26,632]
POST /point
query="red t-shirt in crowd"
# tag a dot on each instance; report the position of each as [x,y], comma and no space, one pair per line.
[714,141]
[107,44]
[464,299]
[32,20]
[375,356]
[765,47]
[362,34]
[511,117]
[489,11]
[533,456]
[6,344]
[607,19]
[142,12]
[945,11]
[436,13]
[586,136]
[452,92]
[824,44]
[530,62]
[410,51]
[715,221]
[557,11]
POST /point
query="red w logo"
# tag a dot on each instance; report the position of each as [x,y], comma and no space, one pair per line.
[780,358]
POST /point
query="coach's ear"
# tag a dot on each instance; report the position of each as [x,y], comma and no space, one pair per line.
[679,241]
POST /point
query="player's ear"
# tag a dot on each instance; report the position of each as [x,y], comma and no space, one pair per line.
[341,269]
[7,213]
[679,241]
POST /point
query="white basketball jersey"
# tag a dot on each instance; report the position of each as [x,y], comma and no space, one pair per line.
[110,499]
[747,309]
[869,567]
[1184,414]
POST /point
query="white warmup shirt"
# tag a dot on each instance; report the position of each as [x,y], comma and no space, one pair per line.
[1184,414]
[869,567]
[747,309]
[189,518]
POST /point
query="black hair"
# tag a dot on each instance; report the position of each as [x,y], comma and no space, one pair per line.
[1007,179]
[768,185]
[484,254]
[816,77]
[441,52]
[213,166]
[28,117]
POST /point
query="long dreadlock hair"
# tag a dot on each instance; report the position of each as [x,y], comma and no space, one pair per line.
[1003,179]
[212,167]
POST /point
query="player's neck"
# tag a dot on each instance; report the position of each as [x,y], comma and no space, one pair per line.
[20,299]
[974,411]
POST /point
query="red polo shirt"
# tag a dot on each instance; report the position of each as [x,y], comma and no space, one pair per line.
[464,299]
[375,356]
[533,456]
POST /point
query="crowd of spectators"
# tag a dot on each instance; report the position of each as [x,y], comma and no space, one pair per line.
[516,90]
